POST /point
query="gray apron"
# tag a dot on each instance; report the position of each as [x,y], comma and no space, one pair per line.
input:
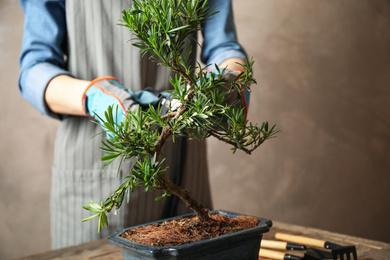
[99,47]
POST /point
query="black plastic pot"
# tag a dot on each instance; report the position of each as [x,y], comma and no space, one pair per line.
[244,244]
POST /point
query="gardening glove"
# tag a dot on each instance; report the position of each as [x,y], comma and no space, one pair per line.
[104,92]
[107,91]
[232,96]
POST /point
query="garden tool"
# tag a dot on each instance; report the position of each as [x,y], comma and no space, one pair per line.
[273,244]
[337,251]
[310,254]
[277,255]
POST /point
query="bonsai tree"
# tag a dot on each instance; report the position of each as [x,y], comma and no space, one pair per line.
[161,27]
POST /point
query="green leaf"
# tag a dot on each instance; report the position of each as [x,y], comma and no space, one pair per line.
[92,209]
[202,116]
[128,195]
[89,218]
[178,28]
[94,205]
[159,198]
[110,156]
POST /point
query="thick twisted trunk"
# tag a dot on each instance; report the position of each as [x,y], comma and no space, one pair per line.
[185,196]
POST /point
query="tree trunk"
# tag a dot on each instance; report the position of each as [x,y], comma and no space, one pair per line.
[185,196]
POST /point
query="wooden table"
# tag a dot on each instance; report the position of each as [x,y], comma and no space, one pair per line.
[101,249]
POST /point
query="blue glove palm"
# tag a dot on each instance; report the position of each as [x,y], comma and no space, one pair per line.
[107,91]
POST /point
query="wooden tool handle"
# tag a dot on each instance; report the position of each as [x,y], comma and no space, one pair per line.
[300,240]
[273,244]
[271,254]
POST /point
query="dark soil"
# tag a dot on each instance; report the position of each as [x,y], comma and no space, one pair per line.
[187,230]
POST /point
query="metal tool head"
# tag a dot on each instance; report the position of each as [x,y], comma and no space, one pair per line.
[344,253]
[339,253]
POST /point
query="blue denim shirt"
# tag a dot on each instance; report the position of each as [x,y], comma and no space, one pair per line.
[45,38]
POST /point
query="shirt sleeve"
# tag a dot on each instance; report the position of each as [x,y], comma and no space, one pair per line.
[43,49]
[219,34]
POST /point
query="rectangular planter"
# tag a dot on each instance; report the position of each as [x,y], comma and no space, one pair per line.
[244,244]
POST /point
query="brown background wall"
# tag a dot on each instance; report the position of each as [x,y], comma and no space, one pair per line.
[323,69]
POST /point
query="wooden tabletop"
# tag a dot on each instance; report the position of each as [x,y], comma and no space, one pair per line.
[102,249]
